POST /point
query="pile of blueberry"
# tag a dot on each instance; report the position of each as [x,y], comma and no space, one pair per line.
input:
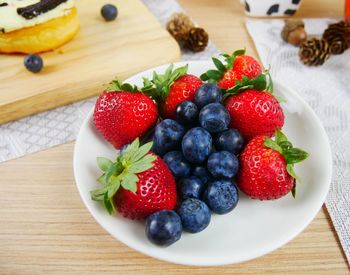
[201,152]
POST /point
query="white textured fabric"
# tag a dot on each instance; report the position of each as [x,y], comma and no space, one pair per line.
[58,126]
[326,88]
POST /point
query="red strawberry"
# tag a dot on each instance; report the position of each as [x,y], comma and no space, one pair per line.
[254,113]
[172,88]
[123,114]
[266,167]
[237,65]
[138,184]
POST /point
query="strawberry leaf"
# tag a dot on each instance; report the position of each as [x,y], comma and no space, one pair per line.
[204,77]
[290,170]
[294,190]
[214,75]
[111,171]
[103,163]
[285,145]
[168,71]
[239,52]
[257,83]
[178,72]
[269,87]
[129,88]
[273,145]
[280,137]
[147,85]
[108,203]
[114,186]
[130,151]
[294,155]
[142,164]
[115,86]
[102,179]
[129,182]
[98,194]
[218,64]
[142,151]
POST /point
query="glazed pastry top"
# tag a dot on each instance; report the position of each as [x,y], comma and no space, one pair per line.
[18,14]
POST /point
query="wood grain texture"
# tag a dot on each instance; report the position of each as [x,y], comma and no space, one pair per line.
[45,228]
[100,52]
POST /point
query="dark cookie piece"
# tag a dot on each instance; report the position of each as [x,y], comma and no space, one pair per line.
[32,11]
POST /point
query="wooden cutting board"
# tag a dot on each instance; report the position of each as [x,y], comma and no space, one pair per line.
[100,52]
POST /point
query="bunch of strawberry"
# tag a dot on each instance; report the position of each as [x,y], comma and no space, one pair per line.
[139,183]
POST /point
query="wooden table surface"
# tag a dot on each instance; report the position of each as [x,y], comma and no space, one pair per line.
[45,228]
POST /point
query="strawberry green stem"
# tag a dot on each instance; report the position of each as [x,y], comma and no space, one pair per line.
[291,154]
[116,86]
[122,173]
[159,86]
[216,75]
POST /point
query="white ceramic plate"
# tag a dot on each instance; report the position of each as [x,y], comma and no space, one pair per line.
[253,228]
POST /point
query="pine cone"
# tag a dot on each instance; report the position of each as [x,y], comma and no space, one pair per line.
[196,39]
[338,37]
[179,25]
[314,52]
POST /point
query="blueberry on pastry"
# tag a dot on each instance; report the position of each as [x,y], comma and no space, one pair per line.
[32,26]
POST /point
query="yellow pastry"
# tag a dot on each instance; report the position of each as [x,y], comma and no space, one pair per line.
[32,26]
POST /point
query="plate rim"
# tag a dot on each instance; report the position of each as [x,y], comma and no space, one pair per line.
[226,260]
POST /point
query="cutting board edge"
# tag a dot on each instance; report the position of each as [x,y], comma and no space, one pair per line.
[10,111]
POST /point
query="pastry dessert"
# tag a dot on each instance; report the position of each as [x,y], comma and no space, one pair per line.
[32,26]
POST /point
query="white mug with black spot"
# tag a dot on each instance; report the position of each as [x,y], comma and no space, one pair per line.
[270,7]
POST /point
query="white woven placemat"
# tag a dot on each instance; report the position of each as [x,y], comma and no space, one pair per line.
[326,88]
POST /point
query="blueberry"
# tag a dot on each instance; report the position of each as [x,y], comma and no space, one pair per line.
[230,140]
[195,215]
[109,12]
[202,173]
[163,227]
[187,113]
[192,187]
[221,196]
[214,117]
[167,136]
[33,62]
[177,164]
[223,164]
[207,93]
[196,145]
